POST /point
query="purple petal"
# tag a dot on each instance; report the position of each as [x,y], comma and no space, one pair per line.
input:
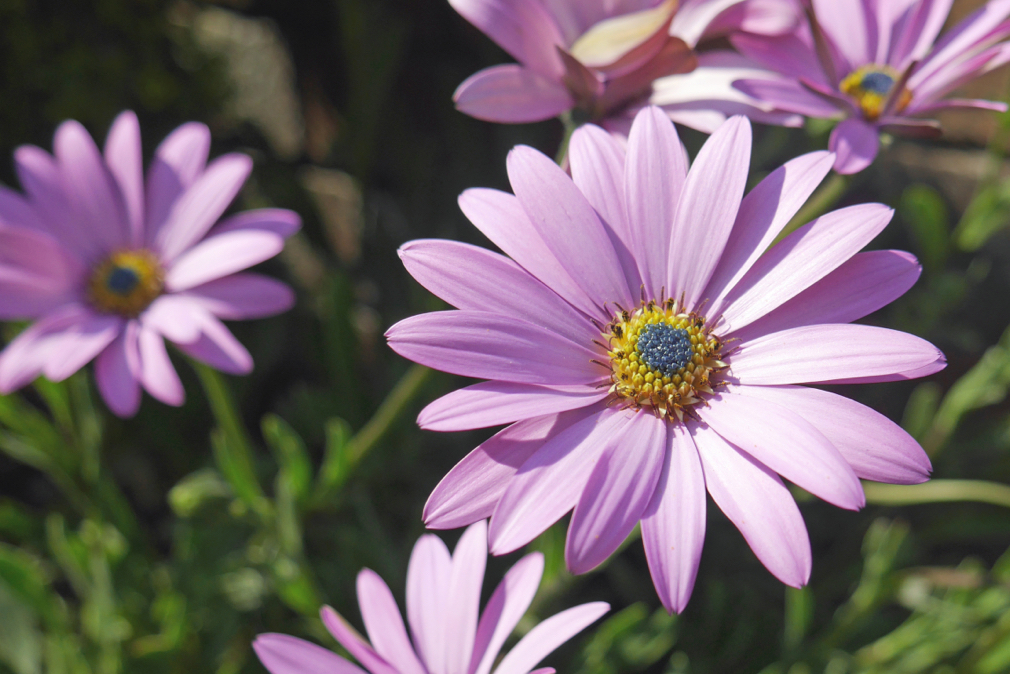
[756,501]
[825,353]
[116,373]
[279,221]
[40,177]
[791,55]
[75,345]
[476,279]
[861,285]
[855,143]
[283,654]
[696,18]
[471,490]
[15,210]
[220,255]
[218,348]
[384,624]
[349,638]
[787,95]
[801,259]
[494,403]
[242,296]
[468,562]
[507,605]
[175,317]
[429,575]
[489,346]
[23,359]
[523,28]
[707,209]
[904,375]
[178,162]
[548,635]
[786,443]
[157,374]
[37,274]
[551,481]
[956,74]
[916,30]
[512,94]
[673,526]
[123,157]
[876,447]
[984,25]
[618,491]
[852,29]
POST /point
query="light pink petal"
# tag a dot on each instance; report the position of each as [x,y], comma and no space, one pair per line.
[199,207]
[786,443]
[801,259]
[855,144]
[279,221]
[956,74]
[123,156]
[176,317]
[523,28]
[349,638]
[116,372]
[861,285]
[512,94]
[707,209]
[568,225]
[283,654]
[242,296]
[850,27]
[760,17]
[507,605]
[40,177]
[16,210]
[157,374]
[178,161]
[756,501]
[501,218]
[220,255]
[429,574]
[787,95]
[548,635]
[476,279]
[551,481]
[618,491]
[824,353]
[987,23]
[490,346]
[876,447]
[916,30]
[791,55]
[23,359]
[218,348]
[37,274]
[763,213]
[904,375]
[384,624]
[471,490]
[468,562]
[494,403]
[654,177]
[695,18]
[978,104]
[673,526]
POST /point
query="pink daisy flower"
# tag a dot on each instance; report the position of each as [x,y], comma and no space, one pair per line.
[647,346]
[597,56]
[877,64]
[443,600]
[107,265]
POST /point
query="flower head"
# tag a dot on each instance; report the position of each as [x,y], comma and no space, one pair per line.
[646,345]
[879,65]
[107,265]
[443,600]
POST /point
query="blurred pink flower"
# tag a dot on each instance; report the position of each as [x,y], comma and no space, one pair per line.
[646,345]
[443,601]
[599,56]
[878,64]
[107,265]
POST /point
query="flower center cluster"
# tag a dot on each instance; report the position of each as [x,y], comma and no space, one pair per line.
[126,282]
[870,87]
[662,358]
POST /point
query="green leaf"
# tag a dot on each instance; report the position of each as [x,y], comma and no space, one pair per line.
[289,450]
[927,215]
[334,471]
[236,468]
[20,638]
[192,491]
[24,575]
[987,213]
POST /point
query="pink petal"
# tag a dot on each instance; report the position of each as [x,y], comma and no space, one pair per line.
[384,624]
[429,574]
[123,157]
[507,605]
[157,374]
[40,177]
[987,23]
[218,348]
[490,346]
[178,162]
[916,30]
[512,94]
[523,28]
[617,493]
[787,95]
[176,317]
[548,635]
[242,296]
[697,18]
[956,74]
[23,359]
[75,345]
[494,403]
[855,143]
[471,490]
[349,638]
[786,443]
[791,55]
[37,274]
[876,447]
[801,259]
[673,526]
[825,353]
[852,29]
[707,209]
[116,371]
[220,255]
[283,654]
[760,506]
[15,210]
[551,481]
[279,221]
[468,562]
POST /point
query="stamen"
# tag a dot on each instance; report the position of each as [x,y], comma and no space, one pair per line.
[870,87]
[126,282]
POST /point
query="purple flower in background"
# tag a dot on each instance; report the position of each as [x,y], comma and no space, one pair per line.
[443,601]
[596,56]
[107,265]
[878,64]
[646,345]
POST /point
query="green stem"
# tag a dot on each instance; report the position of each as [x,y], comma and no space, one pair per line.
[938,491]
[389,411]
[826,196]
[570,127]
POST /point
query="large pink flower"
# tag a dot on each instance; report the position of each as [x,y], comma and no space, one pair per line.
[443,601]
[107,265]
[646,345]
[878,64]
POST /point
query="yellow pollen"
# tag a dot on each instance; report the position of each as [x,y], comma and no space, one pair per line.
[126,282]
[870,87]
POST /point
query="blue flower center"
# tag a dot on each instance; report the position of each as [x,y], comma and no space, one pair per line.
[877,82]
[122,281]
[664,348]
